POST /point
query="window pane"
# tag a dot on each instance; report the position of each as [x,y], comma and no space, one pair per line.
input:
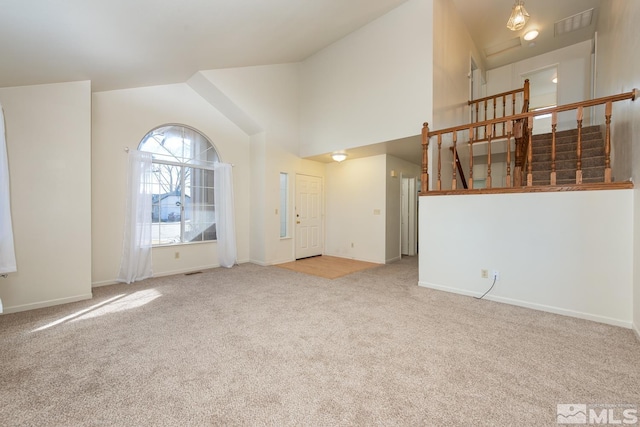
[179,144]
[199,209]
[166,209]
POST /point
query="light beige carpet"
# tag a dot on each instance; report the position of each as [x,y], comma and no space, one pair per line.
[264,346]
[329,267]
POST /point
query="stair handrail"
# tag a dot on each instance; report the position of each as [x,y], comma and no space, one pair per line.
[528,118]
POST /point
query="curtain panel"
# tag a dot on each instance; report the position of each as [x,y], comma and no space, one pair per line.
[7,250]
[136,250]
[225,218]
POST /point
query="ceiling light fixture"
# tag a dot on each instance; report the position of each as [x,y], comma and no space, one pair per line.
[530,35]
[554,80]
[339,157]
[519,16]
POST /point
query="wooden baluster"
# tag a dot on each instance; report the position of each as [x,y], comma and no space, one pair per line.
[607,142]
[477,118]
[513,103]
[509,131]
[504,112]
[454,182]
[470,185]
[530,152]
[489,135]
[554,124]
[485,118]
[424,178]
[439,161]
[579,115]
[494,116]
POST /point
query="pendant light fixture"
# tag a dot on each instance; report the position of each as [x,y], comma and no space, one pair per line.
[519,16]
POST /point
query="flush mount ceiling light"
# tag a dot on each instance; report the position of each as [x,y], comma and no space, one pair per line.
[519,16]
[339,157]
[530,35]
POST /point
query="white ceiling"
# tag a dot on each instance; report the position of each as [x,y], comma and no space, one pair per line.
[129,43]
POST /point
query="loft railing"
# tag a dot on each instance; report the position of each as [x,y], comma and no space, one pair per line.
[485,131]
[495,106]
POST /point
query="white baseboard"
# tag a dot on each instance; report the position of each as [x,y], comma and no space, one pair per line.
[534,306]
[103,283]
[163,274]
[48,303]
[636,330]
[389,261]
[260,263]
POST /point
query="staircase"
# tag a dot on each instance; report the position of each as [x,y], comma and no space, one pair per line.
[566,143]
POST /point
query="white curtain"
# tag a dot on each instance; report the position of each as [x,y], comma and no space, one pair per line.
[136,249]
[7,251]
[225,219]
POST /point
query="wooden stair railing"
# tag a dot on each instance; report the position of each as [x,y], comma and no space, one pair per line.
[510,124]
[498,106]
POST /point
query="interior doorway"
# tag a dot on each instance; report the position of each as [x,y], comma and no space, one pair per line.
[543,93]
[408,217]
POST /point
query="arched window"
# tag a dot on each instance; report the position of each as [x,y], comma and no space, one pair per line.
[183,207]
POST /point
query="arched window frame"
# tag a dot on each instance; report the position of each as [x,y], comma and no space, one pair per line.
[183,205]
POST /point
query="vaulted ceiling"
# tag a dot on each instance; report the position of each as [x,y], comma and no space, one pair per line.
[129,43]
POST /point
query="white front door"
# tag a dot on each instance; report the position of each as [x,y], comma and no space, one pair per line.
[309,234]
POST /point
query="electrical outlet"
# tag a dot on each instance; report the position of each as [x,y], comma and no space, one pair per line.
[484,273]
[177,255]
[496,275]
[351,244]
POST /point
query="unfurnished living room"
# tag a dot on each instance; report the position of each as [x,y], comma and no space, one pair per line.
[364,212]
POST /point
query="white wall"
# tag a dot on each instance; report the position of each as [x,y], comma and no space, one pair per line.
[401,169]
[121,118]
[49,148]
[374,85]
[356,209]
[574,76]
[269,96]
[569,253]
[619,71]
[453,48]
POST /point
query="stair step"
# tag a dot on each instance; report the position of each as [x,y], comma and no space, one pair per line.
[570,181]
[593,140]
[591,174]
[568,140]
[588,162]
[569,155]
[568,133]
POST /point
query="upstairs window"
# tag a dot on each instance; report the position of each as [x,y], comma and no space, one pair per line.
[183,206]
